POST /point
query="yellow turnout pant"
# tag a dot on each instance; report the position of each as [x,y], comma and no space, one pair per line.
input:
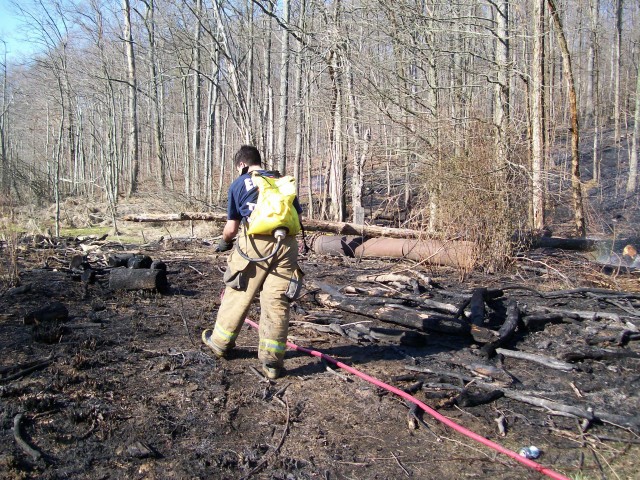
[278,280]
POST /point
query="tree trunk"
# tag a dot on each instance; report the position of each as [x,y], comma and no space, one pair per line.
[576,187]
[186,150]
[501,94]
[283,112]
[632,181]
[537,125]
[155,94]
[360,147]
[197,100]
[213,116]
[337,207]
[4,108]
[594,13]
[267,106]
[132,100]
[299,95]
[244,120]
[617,66]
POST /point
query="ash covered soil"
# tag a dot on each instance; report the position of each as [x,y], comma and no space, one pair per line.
[123,387]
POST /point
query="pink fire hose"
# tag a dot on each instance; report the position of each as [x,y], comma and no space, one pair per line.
[450,423]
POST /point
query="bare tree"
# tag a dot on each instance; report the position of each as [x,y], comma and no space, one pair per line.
[283,110]
[632,181]
[617,65]
[337,207]
[197,94]
[4,107]
[592,112]
[537,115]
[576,185]
[501,95]
[150,24]
[134,149]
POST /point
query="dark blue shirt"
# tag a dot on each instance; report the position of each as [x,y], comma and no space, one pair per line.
[243,195]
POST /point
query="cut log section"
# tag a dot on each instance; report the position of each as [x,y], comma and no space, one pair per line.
[137,279]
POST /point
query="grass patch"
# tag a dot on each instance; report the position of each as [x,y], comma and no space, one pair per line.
[84,232]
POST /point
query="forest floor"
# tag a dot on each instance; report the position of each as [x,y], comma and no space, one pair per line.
[122,387]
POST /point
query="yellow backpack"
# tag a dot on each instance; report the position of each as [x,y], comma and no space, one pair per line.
[274,207]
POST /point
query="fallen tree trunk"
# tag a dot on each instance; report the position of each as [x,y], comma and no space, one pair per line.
[415,299]
[340,228]
[137,279]
[454,253]
[397,315]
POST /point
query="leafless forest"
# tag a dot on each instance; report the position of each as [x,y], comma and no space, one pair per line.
[443,116]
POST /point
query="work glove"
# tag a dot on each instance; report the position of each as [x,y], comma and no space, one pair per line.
[224,246]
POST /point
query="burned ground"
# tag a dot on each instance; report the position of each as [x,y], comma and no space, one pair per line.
[122,387]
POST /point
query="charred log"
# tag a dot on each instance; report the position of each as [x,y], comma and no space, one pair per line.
[137,279]
[53,312]
[476,304]
[396,315]
[506,331]
[598,354]
[139,261]
[119,259]
[540,359]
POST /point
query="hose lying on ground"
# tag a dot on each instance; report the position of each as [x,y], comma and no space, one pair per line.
[450,423]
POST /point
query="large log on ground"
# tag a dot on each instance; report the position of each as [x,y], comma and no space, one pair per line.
[454,253]
[137,279]
[395,314]
[340,228]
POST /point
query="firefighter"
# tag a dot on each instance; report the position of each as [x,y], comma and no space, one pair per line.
[278,279]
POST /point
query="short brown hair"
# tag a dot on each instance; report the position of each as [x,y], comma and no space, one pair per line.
[247,154]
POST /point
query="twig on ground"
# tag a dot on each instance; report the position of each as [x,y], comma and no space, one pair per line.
[26,371]
[196,270]
[184,322]
[406,472]
[262,378]
[336,373]
[274,451]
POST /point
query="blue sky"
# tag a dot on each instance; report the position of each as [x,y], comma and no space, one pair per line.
[10,33]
